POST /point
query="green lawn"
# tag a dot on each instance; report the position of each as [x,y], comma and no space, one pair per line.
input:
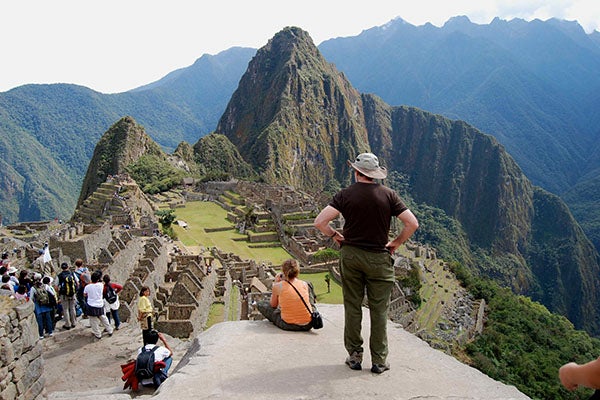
[205,214]
[318,281]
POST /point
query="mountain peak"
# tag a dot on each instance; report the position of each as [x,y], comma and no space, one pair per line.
[122,144]
[459,20]
[293,113]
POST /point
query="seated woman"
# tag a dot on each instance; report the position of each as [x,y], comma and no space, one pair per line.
[285,309]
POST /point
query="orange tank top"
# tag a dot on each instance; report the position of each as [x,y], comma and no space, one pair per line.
[293,310]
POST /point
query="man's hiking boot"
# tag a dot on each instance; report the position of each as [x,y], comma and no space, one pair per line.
[379,368]
[354,361]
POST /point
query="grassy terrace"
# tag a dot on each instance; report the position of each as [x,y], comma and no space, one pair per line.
[204,214]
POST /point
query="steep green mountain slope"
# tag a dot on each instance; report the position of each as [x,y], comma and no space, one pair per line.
[530,84]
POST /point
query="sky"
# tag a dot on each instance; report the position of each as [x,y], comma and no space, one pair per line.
[112,46]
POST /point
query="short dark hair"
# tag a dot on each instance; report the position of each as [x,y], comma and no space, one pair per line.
[143,289]
[152,336]
[363,175]
[96,276]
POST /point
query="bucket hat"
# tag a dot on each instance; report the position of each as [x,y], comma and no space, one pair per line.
[368,165]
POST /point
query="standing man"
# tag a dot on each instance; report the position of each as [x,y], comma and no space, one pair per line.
[66,287]
[365,255]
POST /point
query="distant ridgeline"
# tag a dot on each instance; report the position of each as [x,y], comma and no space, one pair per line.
[295,120]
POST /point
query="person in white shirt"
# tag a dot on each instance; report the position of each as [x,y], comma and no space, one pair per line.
[161,353]
[95,305]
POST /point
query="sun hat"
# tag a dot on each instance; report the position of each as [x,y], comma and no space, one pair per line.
[368,165]
[12,270]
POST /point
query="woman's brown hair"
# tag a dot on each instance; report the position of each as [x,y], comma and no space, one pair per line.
[290,269]
[143,289]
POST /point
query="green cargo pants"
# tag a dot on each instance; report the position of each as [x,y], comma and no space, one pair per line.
[373,271]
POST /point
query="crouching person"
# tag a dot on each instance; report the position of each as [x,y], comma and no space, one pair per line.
[153,361]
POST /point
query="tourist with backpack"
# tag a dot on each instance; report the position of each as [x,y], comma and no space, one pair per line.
[148,355]
[43,306]
[84,277]
[67,283]
[111,300]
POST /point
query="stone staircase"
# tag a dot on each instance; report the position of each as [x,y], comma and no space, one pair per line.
[100,205]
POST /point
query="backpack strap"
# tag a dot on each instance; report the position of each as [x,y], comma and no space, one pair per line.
[152,349]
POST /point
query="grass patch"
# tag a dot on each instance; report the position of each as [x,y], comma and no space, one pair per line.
[205,214]
[215,315]
[438,288]
[234,303]
[318,281]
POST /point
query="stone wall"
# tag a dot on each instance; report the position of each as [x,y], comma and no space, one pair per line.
[22,367]
[188,304]
[86,246]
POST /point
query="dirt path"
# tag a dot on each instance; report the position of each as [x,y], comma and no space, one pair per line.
[74,361]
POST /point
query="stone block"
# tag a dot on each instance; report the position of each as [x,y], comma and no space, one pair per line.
[19,368]
[7,354]
[105,257]
[175,312]
[35,390]
[179,329]
[10,392]
[29,336]
[33,372]
[5,321]
[141,273]
[113,248]
[196,270]
[34,353]
[161,297]
[148,263]
[130,291]
[151,252]
[181,295]
[17,345]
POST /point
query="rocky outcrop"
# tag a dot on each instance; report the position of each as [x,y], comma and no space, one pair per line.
[123,144]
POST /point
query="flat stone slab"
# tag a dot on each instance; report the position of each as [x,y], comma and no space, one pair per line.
[256,360]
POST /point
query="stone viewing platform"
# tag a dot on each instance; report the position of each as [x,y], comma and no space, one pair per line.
[254,360]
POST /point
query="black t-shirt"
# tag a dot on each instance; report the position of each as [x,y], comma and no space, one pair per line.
[367,209]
